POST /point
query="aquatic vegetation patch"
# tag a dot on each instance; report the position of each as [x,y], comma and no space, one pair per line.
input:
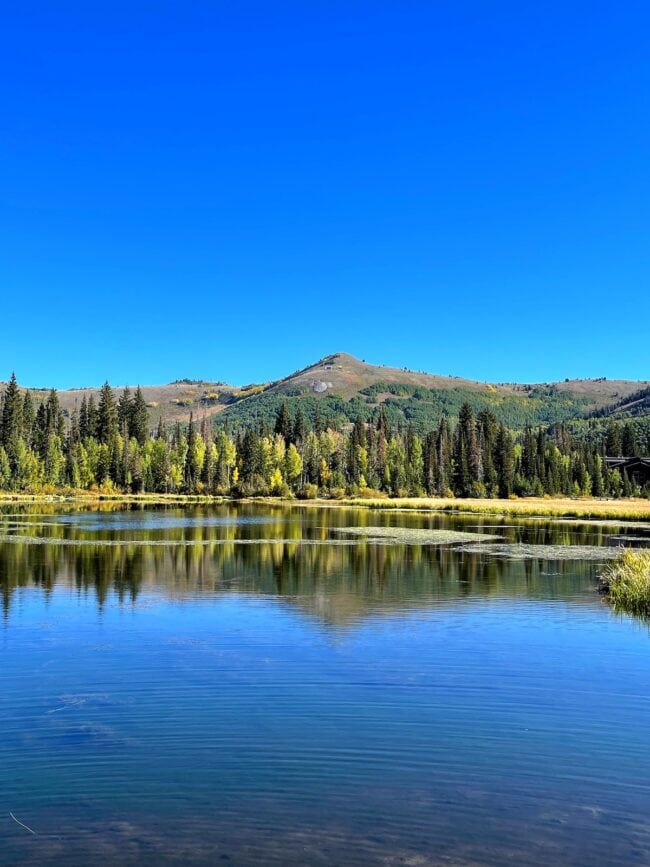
[518,551]
[604,522]
[413,536]
[622,539]
[627,581]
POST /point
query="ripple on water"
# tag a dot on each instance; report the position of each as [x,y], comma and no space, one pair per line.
[357,704]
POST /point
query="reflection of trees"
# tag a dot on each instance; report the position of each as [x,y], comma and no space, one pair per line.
[335,581]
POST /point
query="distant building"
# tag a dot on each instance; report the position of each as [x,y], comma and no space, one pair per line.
[636,469]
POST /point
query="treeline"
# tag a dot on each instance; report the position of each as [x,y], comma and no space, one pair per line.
[108,445]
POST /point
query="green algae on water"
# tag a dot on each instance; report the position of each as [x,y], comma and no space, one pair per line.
[412,536]
[518,551]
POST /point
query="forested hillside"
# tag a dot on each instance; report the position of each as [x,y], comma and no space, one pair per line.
[110,445]
[340,388]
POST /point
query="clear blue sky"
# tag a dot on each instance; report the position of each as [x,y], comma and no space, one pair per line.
[231,190]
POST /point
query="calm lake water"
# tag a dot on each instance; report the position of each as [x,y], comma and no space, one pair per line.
[251,685]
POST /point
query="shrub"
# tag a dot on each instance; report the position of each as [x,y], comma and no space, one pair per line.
[478,490]
[308,492]
[371,494]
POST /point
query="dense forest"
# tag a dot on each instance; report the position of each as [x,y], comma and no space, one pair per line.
[109,445]
[419,406]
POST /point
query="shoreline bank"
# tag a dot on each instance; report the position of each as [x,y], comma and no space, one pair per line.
[623,510]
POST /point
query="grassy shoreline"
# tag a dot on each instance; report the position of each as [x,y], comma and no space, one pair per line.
[627,582]
[561,507]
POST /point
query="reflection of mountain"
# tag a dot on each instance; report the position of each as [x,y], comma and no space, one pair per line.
[336,583]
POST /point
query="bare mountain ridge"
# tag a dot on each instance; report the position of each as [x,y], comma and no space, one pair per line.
[343,376]
[346,375]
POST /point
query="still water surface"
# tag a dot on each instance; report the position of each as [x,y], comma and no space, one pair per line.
[250,685]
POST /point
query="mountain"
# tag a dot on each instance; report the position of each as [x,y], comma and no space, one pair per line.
[340,387]
[343,387]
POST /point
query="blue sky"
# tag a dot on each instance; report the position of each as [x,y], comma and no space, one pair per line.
[232,190]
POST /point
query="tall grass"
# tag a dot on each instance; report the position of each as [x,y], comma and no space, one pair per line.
[73,496]
[627,581]
[561,507]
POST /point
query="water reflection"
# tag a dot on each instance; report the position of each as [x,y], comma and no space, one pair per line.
[180,687]
[295,555]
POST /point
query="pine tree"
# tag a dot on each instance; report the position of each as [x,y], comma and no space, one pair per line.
[107,423]
[41,431]
[382,423]
[529,455]
[192,467]
[283,424]
[505,462]
[12,420]
[55,423]
[467,464]
[488,429]
[93,418]
[445,457]
[207,471]
[613,442]
[124,407]
[139,418]
[28,418]
[299,429]
[598,482]
[628,441]
[430,463]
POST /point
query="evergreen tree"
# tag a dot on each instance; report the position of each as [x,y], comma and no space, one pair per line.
[613,441]
[283,424]
[28,418]
[12,421]
[193,464]
[431,469]
[93,418]
[124,409]
[628,441]
[107,422]
[467,463]
[139,418]
[299,429]
[84,427]
[505,462]
[54,420]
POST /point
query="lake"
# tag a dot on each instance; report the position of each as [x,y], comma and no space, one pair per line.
[252,684]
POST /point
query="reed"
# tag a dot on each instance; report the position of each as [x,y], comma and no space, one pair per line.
[627,581]
[624,510]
